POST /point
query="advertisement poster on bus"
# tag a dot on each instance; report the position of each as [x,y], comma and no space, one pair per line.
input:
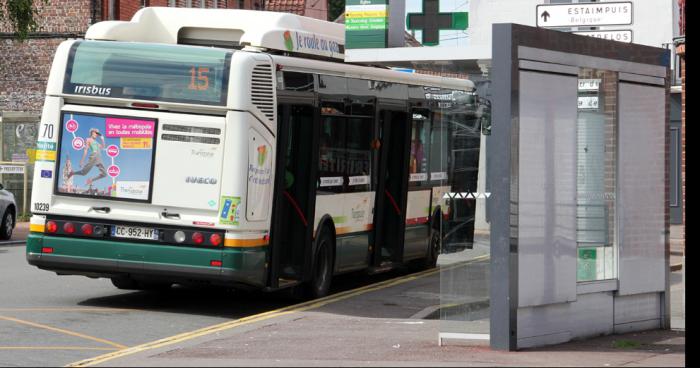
[106,156]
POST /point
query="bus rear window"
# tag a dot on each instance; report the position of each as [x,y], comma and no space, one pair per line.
[186,74]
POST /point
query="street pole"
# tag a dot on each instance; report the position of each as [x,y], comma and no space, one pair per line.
[24,189]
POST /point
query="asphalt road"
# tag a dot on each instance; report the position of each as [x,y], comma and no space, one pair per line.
[50,320]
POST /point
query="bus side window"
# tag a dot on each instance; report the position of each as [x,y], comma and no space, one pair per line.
[420,145]
[332,158]
[295,81]
[439,149]
[359,154]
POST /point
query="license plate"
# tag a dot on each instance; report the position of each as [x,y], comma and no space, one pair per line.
[131,232]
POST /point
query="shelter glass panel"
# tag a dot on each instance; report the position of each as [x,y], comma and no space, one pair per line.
[457,175]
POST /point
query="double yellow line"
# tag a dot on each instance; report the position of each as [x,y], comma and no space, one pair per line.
[313,304]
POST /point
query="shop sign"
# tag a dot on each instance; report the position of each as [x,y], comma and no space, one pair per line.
[366,23]
[587,264]
[20,157]
[11,169]
[431,21]
[588,84]
[588,102]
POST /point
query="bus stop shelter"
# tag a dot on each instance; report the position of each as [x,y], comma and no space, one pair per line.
[575,224]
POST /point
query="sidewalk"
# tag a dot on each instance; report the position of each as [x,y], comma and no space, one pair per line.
[320,339]
[387,326]
[677,246]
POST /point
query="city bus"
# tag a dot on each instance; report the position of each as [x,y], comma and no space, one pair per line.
[235,148]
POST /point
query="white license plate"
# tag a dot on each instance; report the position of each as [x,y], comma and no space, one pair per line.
[134,232]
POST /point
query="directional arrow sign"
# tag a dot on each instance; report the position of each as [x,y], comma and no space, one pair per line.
[584,14]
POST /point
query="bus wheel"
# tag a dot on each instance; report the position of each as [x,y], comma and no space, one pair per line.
[323,267]
[433,250]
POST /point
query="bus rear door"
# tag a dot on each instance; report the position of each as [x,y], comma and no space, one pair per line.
[294,199]
[390,216]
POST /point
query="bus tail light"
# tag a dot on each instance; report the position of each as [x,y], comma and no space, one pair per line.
[69,228]
[216,263]
[215,239]
[198,238]
[46,250]
[51,227]
[86,229]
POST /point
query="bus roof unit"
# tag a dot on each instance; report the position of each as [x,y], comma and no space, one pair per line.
[227,28]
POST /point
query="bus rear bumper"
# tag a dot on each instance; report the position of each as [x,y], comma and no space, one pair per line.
[104,258]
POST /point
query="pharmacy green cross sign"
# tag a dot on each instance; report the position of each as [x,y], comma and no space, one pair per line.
[431,22]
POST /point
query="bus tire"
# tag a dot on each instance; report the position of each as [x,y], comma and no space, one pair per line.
[320,283]
[433,250]
[8,224]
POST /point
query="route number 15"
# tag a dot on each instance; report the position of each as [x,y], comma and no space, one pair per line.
[201,83]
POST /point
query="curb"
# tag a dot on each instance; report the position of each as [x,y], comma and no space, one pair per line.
[13,242]
[676,267]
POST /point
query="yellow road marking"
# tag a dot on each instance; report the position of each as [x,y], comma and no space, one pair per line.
[60,330]
[52,348]
[266,315]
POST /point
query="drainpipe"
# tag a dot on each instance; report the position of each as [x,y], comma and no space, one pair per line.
[93,11]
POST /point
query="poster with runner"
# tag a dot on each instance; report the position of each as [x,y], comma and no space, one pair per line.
[106,156]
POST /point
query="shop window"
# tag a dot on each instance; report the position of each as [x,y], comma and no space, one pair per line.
[596,157]
[18,133]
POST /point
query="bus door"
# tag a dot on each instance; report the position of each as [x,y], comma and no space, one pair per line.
[294,199]
[394,135]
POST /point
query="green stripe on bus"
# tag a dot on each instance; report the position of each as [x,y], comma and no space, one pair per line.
[251,259]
